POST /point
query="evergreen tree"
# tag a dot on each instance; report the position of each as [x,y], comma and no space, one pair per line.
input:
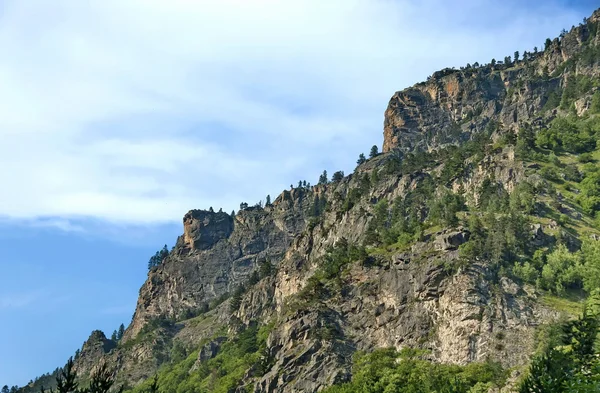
[337,176]
[66,381]
[233,213]
[102,380]
[254,278]
[361,159]
[304,184]
[120,332]
[595,106]
[516,56]
[236,299]
[113,336]
[493,62]
[547,44]
[210,209]
[374,151]
[158,257]
[153,388]
[547,373]
[265,269]
[243,206]
[507,61]
[268,200]
[299,183]
[5,389]
[558,369]
[323,178]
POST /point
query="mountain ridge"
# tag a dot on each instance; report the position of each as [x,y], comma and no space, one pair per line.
[390,255]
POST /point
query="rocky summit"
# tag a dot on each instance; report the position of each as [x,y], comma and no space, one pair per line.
[461,249]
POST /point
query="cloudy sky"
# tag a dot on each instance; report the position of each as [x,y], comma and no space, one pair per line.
[118,116]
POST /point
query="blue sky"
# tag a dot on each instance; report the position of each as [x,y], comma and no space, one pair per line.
[118,116]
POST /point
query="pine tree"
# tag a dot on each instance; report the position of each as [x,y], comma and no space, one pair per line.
[236,299]
[102,380]
[361,159]
[5,389]
[493,63]
[153,388]
[254,278]
[337,176]
[547,44]
[374,151]
[547,373]
[113,336]
[120,332]
[323,178]
[557,369]
[66,381]
[268,200]
[265,269]
[516,56]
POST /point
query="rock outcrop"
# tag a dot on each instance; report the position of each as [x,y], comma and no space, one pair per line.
[455,104]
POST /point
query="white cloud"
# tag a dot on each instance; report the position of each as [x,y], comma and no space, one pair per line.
[134,111]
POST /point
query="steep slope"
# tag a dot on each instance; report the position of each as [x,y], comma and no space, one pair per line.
[460,241]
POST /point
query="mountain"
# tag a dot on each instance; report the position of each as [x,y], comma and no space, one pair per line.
[463,246]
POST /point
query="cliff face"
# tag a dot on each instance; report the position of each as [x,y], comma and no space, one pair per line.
[370,261]
[216,254]
[453,105]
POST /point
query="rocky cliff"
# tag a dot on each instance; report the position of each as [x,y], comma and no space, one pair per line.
[454,104]
[421,247]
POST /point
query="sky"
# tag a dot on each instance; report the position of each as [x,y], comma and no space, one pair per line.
[119,116]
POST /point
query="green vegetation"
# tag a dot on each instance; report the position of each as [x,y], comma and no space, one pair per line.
[337,176]
[117,335]
[158,258]
[568,134]
[323,178]
[387,371]
[101,380]
[361,159]
[220,374]
[329,272]
[374,151]
[570,364]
